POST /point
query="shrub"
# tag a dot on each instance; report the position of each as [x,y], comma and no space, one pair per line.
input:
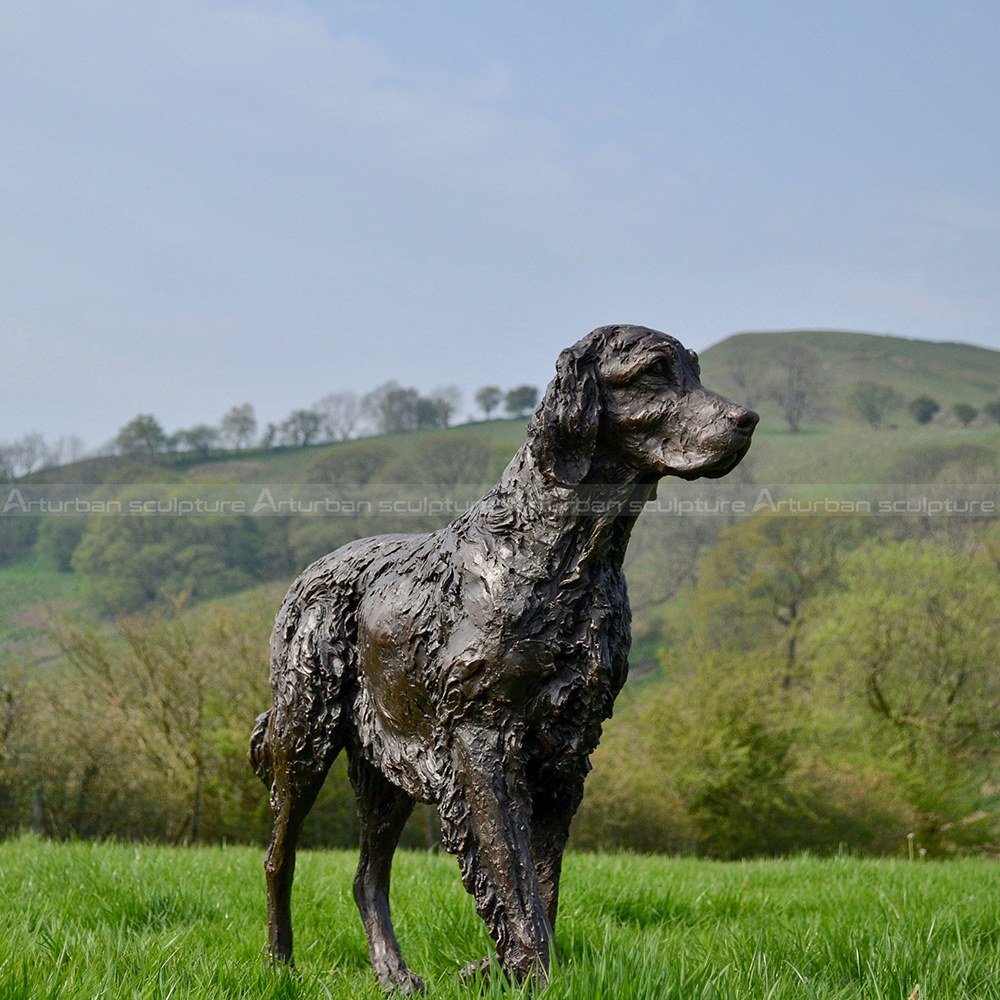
[923,409]
[964,413]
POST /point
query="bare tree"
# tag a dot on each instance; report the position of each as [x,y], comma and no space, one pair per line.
[391,408]
[340,413]
[447,399]
[875,402]
[23,456]
[66,450]
[796,384]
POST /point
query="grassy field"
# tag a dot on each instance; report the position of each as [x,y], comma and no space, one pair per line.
[94,921]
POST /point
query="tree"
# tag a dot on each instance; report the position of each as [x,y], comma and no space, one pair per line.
[178,687]
[875,402]
[340,412]
[301,428]
[914,633]
[200,438]
[923,409]
[992,410]
[131,561]
[239,426]
[427,414]
[391,408]
[28,453]
[447,399]
[488,399]
[761,574]
[795,387]
[269,438]
[965,413]
[520,400]
[142,436]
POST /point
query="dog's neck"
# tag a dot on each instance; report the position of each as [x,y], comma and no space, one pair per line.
[559,530]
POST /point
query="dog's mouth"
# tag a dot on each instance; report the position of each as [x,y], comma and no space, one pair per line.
[718,467]
[728,463]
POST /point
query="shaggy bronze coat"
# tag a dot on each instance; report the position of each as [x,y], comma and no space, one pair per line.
[473,667]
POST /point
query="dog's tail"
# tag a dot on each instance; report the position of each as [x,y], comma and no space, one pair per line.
[259,754]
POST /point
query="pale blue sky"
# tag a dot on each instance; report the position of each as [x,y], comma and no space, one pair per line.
[208,203]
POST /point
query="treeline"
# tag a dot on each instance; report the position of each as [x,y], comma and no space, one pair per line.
[128,563]
[824,683]
[391,408]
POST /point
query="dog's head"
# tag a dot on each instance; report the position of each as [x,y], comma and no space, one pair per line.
[630,399]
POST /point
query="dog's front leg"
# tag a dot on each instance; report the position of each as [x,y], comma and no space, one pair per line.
[553,804]
[486,816]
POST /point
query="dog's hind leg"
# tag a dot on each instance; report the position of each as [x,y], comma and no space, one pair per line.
[297,767]
[383,810]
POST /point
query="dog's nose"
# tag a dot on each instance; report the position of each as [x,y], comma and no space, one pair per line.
[745,420]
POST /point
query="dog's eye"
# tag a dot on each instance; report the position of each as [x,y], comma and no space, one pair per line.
[661,369]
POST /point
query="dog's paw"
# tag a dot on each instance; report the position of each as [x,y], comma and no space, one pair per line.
[405,982]
[476,971]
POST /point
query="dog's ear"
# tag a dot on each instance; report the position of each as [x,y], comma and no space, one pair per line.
[563,430]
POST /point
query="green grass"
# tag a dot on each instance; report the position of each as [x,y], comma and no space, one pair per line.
[108,921]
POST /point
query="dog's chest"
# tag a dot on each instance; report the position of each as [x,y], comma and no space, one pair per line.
[565,714]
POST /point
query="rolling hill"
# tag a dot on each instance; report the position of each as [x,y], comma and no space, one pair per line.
[834,446]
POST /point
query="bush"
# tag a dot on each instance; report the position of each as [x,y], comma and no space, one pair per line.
[725,763]
[146,733]
[17,537]
[58,538]
[130,561]
[964,413]
[923,409]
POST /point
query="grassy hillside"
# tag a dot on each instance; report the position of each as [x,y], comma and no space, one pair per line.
[948,372]
[116,921]
[835,447]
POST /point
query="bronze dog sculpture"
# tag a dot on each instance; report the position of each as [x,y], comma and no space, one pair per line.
[473,667]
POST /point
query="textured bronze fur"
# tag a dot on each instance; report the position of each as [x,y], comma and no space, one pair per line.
[473,667]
